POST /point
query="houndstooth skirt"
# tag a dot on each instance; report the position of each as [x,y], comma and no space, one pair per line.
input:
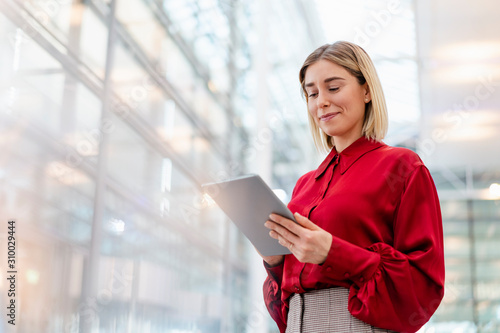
[325,311]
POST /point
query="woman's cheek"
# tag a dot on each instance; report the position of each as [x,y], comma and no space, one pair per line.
[312,112]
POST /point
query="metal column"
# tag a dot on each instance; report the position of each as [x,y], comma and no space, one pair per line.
[91,276]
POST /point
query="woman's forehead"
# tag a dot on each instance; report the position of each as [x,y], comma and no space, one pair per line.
[325,70]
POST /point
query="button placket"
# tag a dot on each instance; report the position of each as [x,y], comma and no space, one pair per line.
[330,171]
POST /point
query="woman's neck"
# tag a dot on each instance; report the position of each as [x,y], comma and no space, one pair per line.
[342,143]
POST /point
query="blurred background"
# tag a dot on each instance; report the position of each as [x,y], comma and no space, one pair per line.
[113,112]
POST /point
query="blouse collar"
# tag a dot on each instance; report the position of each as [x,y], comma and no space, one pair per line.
[349,155]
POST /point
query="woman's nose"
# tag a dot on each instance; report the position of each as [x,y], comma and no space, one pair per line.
[322,101]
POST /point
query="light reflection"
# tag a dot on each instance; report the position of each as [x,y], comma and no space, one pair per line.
[466,73]
[281,194]
[472,133]
[116,226]
[467,125]
[212,86]
[166,175]
[208,201]
[469,51]
[495,190]
[32,276]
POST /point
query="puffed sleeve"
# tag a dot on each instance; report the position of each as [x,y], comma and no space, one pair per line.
[397,287]
[272,294]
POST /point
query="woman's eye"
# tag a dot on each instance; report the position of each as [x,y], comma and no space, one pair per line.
[312,95]
[333,89]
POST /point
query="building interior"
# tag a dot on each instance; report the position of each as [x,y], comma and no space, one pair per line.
[114,112]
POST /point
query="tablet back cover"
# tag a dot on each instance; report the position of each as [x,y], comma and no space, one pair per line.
[248,202]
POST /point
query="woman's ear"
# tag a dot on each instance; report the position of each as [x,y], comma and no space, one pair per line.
[368,96]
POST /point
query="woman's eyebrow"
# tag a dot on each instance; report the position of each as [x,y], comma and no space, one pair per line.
[333,78]
[330,79]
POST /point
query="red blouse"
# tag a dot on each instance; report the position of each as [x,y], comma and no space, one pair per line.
[381,206]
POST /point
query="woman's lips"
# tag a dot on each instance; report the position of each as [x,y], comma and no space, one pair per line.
[328,116]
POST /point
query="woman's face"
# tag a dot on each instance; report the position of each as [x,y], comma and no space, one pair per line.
[335,100]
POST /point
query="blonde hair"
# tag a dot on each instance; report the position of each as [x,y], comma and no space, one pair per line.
[357,62]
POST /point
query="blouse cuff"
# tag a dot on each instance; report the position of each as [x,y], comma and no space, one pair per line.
[346,261]
[275,272]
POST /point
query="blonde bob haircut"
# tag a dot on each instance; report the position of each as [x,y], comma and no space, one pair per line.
[357,62]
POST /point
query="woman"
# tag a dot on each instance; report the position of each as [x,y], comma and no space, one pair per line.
[367,248]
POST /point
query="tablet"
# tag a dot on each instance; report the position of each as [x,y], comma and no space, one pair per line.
[248,202]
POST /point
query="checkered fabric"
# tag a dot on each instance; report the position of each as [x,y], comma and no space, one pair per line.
[325,311]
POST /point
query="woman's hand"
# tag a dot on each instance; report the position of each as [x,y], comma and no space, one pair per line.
[308,242]
[273,260]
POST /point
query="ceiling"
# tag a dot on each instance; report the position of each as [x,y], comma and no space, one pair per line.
[459,66]
[439,63]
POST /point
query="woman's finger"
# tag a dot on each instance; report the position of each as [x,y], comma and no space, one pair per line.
[295,227]
[305,222]
[281,231]
[286,243]
[283,221]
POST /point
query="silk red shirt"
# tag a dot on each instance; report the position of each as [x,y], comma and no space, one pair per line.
[381,206]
